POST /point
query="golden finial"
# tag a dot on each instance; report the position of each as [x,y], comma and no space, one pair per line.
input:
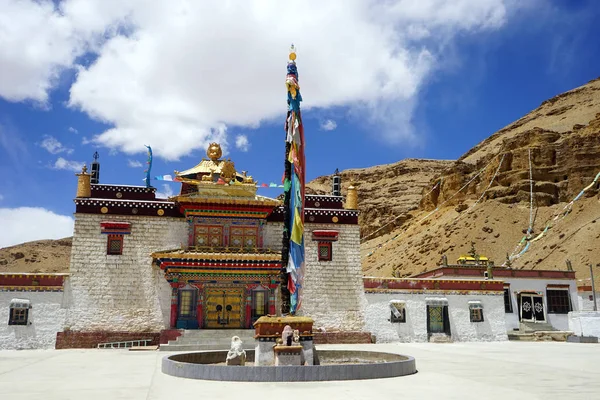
[214,151]
[292,52]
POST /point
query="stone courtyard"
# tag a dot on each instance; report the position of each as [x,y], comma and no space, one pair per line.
[497,370]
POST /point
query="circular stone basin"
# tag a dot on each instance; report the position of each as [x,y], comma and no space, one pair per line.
[336,365]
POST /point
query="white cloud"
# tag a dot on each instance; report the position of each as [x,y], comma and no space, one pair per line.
[328,125]
[70,165]
[134,164]
[242,143]
[25,224]
[73,130]
[166,192]
[190,69]
[53,146]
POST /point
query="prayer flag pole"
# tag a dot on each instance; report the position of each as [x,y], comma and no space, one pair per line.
[292,252]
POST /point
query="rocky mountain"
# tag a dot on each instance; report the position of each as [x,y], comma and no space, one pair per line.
[485,196]
[386,193]
[38,256]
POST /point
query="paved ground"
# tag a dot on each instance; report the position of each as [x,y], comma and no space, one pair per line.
[509,370]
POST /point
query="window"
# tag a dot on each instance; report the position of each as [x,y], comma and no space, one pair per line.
[259,303]
[324,251]
[114,245]
[398,312]
[243,236]
[558,301]
[208,236]
[187,303]
[475,311]
[19,312]
[507,301]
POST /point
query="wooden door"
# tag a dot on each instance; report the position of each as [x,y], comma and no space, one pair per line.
[435,319]
[224,307]
[527,308]
[538,309]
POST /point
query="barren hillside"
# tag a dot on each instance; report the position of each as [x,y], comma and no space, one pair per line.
[561,141]
[38,256]
[385,192]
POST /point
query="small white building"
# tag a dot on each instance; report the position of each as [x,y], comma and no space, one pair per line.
[537,299]
[33,309]
[421,310]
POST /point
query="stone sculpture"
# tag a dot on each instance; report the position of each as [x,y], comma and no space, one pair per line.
[237,354]
[296,337]
[287,335]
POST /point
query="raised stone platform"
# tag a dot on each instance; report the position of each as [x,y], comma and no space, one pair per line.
[351,365]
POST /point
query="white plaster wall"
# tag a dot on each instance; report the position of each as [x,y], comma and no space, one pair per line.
[333,290]
[585,323]
[558,321]
[415,328]
[125,292]
[47,317]
[273,234]
[587,304]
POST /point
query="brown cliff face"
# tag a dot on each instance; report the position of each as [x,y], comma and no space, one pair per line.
[563,138]
[385,192]
[38,256]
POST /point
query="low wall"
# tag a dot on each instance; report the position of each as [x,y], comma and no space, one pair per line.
[90,340]
[585,323]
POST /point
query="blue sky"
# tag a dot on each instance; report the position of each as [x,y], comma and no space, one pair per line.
[397,79]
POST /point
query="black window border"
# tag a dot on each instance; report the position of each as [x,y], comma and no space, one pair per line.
[471,309]
[508,306]
[550,309]
[13,321]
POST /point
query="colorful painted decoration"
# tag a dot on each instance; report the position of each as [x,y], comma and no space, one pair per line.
[294,185]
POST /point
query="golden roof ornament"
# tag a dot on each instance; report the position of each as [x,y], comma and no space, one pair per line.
[214,151]
[228,171]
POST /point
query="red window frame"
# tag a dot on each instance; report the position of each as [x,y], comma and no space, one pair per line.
[329,253]
[112,238]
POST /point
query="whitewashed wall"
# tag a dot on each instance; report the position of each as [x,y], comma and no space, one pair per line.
[121,292]
[415,328]
[587,304]
[585,323]
[558,321]
[273,234]
[47,317]
[333,290]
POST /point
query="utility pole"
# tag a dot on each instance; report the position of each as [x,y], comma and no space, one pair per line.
[593,287]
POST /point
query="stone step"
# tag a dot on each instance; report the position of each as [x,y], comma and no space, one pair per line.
[209,341]
[200,347]
[218,333]
[535,327]
[213,338]
[554,335]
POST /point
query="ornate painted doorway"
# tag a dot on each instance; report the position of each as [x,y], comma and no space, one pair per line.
[224,307]
[437,320]
[186,308]
[532,308]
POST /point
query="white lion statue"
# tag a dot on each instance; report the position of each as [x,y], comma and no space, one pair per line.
[237,354]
